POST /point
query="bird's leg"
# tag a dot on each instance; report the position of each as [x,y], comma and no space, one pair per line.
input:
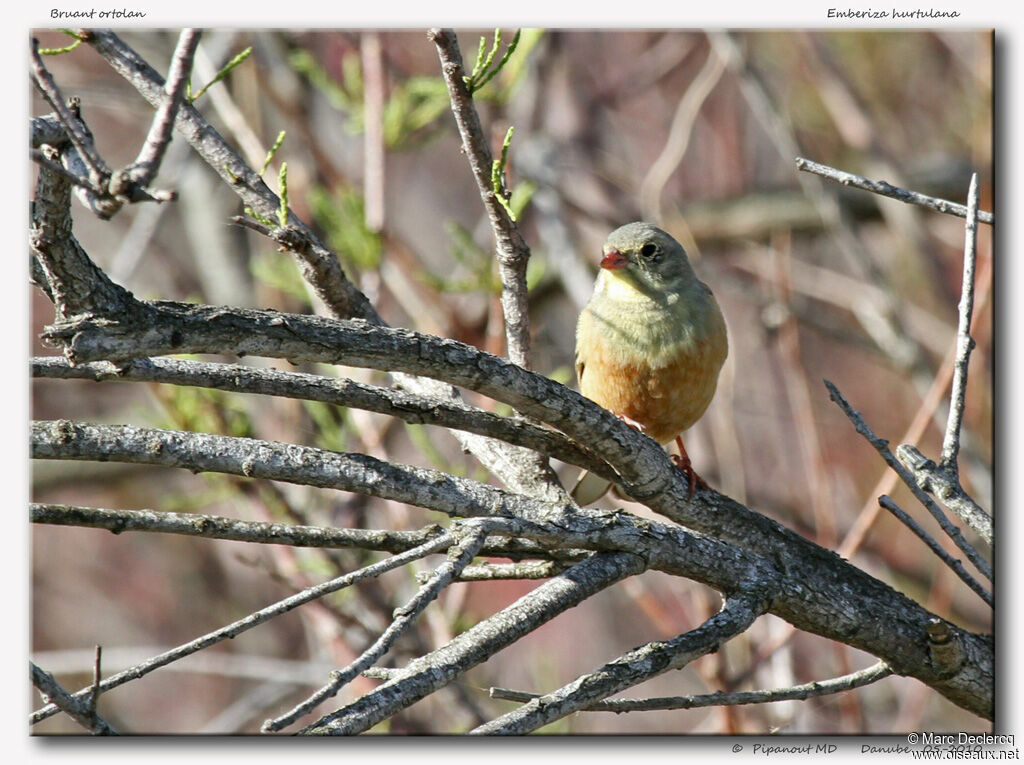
[682,461]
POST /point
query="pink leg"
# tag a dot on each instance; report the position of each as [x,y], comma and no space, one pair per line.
[682,461]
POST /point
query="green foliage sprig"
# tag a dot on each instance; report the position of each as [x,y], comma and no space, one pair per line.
[66,49]
[484,68]
[224,72]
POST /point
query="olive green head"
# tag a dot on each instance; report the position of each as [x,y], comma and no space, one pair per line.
[647,257]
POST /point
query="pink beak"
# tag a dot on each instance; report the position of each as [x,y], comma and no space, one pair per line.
[614,259]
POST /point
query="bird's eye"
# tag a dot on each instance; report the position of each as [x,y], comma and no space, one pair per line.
[649,251]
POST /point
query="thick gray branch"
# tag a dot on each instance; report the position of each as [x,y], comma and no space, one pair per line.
[665,547]
[820,593]
[409,407]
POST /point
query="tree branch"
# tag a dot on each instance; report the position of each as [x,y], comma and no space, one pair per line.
[470,537]
[888,190]
[255,619]
[635,667]
[512,251]
[834,685]
[405,406]
[882,447]
[78,709]
[427,674]
[147,164]
[964,342]
[938,482]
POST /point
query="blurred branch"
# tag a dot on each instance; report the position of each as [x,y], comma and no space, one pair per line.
[802,692]
[679,133]
[888,190]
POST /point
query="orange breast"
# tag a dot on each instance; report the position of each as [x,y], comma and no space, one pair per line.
[665,399]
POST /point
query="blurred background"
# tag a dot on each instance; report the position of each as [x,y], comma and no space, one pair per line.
[694,131]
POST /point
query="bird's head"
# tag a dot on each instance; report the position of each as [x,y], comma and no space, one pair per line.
[646,258]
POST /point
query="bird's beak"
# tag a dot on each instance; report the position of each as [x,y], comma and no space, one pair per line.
[613,259]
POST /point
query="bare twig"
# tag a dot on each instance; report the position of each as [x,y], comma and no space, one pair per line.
[470,538]
[882,447]
[936,548]
[802,692]
[512,251]
[888,190]
[77,707]
[219,527]
[259,617]
[427,674]
[737,614]
[147,164]
[97,675]
[964,342]
[77,133]
[489,572]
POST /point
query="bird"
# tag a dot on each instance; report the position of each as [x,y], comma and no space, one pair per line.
[650,343]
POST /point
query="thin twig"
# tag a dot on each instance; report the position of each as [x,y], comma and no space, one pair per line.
[936,548]
[97,675]
[76,131]
[259,617]
[802,692]
[218,527]
[888,190]
[882,447]
[147,164]
[512,251]
[964,342]
[470,538]
[481,641]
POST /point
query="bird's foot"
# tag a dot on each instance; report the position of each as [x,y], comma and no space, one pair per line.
[682,461]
